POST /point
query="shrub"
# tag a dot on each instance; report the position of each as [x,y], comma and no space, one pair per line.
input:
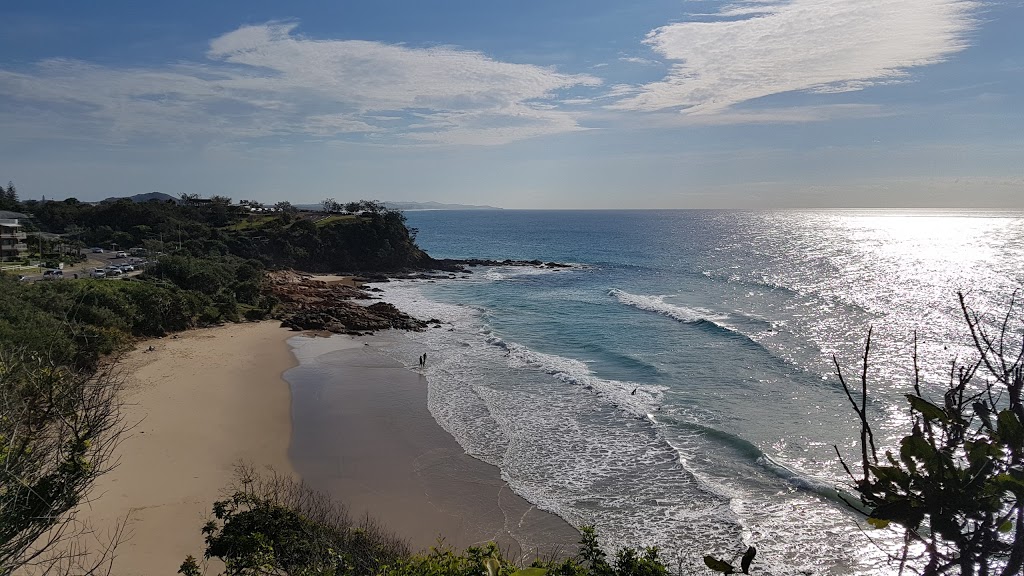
[58,433]
[955,484]
[274,525]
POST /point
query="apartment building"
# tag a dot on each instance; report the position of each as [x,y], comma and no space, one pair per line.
[12,237]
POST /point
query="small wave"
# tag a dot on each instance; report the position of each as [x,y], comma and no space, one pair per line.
[636,399]
[695,316]
[498,273]
[658,304]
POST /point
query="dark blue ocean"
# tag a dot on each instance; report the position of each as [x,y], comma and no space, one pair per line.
[675,387]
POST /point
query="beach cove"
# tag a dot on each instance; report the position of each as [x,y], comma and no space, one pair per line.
[206,400]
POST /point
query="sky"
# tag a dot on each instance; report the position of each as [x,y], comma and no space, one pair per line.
[526,104]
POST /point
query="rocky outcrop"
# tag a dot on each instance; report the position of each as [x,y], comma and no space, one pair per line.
[307,303]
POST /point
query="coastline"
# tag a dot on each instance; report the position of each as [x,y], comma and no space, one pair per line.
[205,400]
[200,402]
[363,434]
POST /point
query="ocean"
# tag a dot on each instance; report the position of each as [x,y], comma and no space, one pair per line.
[676,386]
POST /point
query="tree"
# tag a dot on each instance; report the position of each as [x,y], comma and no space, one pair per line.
[285,207]
[8,197]
[330,205]
[955,484]
[57,436]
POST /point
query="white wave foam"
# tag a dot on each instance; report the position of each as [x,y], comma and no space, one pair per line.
[587,449]
[567,440]
[634,398]
[658,304]
[495,273]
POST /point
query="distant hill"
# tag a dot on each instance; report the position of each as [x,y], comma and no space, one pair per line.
[414,206]
[139,198]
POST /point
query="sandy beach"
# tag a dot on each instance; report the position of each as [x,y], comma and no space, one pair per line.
[202,402]
[211,398]
[364,434]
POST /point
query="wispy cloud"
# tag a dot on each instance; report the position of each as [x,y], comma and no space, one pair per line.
[779,115]
[639,60]
[754,49]
[268,81]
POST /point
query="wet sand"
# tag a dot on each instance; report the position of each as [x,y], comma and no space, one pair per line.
[363,433]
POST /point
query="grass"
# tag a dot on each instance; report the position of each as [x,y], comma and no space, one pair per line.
[335,218]
[251,222]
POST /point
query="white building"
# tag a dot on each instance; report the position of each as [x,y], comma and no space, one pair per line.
[12,237]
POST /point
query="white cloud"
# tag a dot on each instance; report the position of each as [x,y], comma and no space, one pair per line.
[779,46]
[261,81]
[638,60]
[779,115]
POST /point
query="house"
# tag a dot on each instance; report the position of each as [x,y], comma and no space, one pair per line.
[12,237]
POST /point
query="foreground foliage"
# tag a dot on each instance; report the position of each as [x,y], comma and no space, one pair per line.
[274,525]
[955,485]
[58,431]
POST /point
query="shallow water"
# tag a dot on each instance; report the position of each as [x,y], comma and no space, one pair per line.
[676,387]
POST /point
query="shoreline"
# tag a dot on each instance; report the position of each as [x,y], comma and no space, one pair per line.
[200,402]
[205,400]
[363,434]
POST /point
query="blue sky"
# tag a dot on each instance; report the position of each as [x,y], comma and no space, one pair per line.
[596,103]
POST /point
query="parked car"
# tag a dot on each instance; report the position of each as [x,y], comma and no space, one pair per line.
[98,273]
[127,268]
[113,271]
[121,255]
[53,275]
[97,250]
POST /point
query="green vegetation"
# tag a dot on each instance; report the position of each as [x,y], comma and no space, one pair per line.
[273,525]
[208,258]
[955,486]
[374,240]
[58,432]
[9,197]
[76,323]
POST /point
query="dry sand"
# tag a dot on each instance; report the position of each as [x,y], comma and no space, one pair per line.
[363,433]
[336,279]
[203,402]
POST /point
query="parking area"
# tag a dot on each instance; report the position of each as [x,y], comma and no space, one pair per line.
[115,265]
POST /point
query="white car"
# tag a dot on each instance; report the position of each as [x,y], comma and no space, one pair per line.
[113,271]
[97,250]
[127,268]
[98,273]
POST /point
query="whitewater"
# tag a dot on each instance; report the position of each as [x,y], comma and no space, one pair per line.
[675,387]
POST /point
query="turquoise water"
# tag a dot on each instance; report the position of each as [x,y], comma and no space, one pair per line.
[676,388]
